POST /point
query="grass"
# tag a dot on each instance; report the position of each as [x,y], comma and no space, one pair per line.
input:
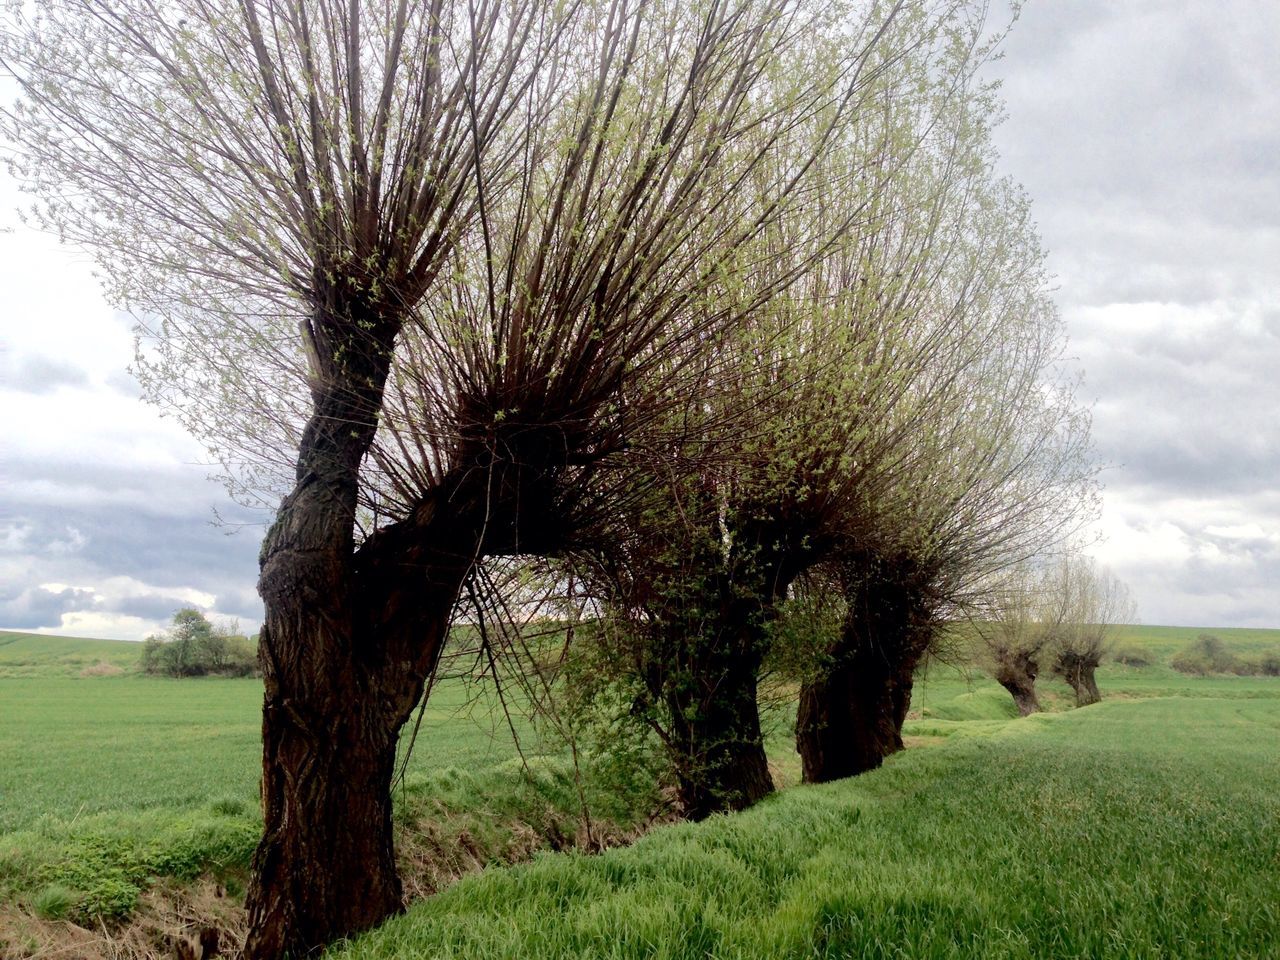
[138,743]
[1125,830]
[107,784]
[1164,642]
[1063,835]
[37,656]
[124,744]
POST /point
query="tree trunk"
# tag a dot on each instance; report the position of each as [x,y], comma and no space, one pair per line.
[326,865]
[348,639]
[1078,670]
[703,667]
[722,765]
[1016,672]
[850,718]
[1092,693]
[327,754]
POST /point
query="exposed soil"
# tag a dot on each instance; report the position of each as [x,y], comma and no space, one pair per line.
[171,921]
[203,920]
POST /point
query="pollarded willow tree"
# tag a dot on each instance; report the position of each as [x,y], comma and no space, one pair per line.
[421,269]
[1063,609]
[738,500]
[1007,478]
[1097,602]
[1018,624]
[907,435]
[993,466]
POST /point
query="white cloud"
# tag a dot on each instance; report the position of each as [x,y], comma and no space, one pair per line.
[105,626]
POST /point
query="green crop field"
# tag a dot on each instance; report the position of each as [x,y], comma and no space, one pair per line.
[133,743]
[1146,826]
[35,656]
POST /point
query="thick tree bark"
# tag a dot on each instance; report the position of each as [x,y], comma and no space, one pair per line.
[721,764]
[703,667]
[349,638]
[348,645]
[327,753]
[850,718]
[1017,672]
[325,867]
[326,864]
[1078,670]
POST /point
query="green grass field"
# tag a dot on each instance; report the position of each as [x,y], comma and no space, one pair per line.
[1145,826]
[108,783]
[1130,830]
[133,743]
[36,656]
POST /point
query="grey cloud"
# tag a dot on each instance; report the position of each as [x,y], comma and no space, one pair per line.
[243,603]
[162,550]
[1187,415]
[69,483]
[167,545]
[123,382]
[1145,96]
[149,607]
[35,607]
[1225,581]
[1146,134]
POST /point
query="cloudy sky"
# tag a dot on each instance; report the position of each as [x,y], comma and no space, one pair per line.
[1148,134]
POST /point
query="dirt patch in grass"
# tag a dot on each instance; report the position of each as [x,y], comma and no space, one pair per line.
[924,740]
[198,920]
[102,669]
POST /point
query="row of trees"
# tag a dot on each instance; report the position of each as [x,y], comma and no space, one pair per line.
[1059,614]
[711,312]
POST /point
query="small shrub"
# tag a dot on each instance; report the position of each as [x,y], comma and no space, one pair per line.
[111,898]
[1189,662]
[1206,654]
[1263,665]
[109,870]
[1132,657]
[54,902]
[1269,663]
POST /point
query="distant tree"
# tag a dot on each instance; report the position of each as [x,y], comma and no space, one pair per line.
[1204,655]
[1063,611]
[1097,602]
[153,655]
[1018,624]
[194,647]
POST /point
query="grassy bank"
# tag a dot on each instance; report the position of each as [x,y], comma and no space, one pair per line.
[1126,830]
[114,786]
